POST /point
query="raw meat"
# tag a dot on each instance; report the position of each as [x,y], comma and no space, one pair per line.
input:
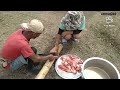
[70,63]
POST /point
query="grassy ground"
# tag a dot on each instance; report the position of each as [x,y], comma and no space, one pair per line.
[99,40]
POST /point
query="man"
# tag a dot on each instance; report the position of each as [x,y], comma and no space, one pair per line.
[17,50]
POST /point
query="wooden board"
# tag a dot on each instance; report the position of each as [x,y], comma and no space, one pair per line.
[47,66]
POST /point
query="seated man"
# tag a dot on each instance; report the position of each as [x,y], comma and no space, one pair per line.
[17,50]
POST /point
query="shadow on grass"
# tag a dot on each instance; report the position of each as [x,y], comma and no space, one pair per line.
[114,42]
[107,37]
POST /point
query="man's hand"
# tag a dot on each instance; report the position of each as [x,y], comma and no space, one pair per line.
[51,57]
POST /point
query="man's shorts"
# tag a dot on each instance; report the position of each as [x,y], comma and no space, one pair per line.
[17,63]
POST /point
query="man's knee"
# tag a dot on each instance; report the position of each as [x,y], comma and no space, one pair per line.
[17,63]
[34,50]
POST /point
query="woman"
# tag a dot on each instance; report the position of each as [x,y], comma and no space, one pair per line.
[71,26]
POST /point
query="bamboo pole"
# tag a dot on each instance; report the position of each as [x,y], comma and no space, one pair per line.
[45,69]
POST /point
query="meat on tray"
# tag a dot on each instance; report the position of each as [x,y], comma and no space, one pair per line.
[70,63]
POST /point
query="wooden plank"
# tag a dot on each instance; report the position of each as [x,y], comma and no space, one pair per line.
[45,69]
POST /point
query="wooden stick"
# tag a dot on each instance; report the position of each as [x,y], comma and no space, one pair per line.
[47,66]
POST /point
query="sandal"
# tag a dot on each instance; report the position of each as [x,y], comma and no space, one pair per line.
[6,65]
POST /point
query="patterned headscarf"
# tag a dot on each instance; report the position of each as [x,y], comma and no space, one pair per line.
[72,20]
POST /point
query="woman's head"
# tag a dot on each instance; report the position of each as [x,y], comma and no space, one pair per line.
[72,20]
[74,15]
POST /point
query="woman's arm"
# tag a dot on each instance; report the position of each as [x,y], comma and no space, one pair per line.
[58,39]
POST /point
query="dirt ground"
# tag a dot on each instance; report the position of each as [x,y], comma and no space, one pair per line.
[100,40]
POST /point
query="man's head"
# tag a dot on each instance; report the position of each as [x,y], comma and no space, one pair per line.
[34,28]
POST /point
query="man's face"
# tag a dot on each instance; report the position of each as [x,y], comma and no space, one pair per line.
[35,35]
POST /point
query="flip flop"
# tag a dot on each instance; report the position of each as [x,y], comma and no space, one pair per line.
[6,65]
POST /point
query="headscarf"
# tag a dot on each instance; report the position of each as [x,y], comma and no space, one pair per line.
[72,20]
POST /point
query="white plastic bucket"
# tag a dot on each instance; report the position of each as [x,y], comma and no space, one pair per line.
[99,68]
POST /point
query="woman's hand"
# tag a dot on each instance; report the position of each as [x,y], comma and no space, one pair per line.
[55,49]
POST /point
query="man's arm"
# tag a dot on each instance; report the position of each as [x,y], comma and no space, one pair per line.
[37,58]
